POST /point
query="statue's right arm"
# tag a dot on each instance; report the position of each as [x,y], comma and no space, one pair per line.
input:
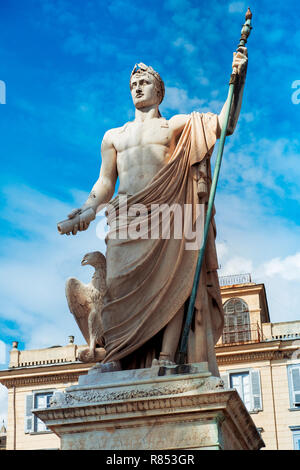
[104,187]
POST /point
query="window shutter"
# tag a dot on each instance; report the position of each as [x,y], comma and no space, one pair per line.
[225,378]
[28,418]
[49,396]
[256,390]
[295,375]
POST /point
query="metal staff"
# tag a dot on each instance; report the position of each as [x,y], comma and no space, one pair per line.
[246,29]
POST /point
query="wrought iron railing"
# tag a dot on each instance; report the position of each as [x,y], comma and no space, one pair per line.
[241,334]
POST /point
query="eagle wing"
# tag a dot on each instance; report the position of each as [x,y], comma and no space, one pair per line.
[80,304]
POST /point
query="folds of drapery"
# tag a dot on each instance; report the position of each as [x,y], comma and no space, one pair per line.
[149,279]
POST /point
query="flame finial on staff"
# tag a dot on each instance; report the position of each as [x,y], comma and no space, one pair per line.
[246,29]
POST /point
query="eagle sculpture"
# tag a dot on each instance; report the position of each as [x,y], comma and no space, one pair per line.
[85,303]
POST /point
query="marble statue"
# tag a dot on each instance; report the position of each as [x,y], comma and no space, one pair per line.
[149,281]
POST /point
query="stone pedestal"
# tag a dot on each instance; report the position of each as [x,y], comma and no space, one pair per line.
[161,408]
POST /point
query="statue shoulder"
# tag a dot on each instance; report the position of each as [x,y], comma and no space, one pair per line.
[178,121]
[110,135]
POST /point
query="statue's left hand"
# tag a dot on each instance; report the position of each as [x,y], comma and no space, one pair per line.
[240,60]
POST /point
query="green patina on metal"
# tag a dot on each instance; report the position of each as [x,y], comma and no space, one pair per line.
[190,313]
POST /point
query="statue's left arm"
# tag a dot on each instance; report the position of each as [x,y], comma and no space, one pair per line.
[239,67]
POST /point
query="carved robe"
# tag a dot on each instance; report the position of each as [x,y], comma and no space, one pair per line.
[149,280]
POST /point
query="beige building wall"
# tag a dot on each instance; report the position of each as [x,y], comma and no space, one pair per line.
[278,348]
[44,370]
[276,416]
[285,417]
[263,419]
[18,439]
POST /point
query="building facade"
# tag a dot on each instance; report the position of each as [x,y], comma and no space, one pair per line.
[262,361]
[31,379]
[259,358]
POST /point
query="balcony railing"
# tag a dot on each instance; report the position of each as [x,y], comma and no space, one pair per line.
[241,334]
[234,279]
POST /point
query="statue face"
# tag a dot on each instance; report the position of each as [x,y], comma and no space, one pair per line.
[144,91]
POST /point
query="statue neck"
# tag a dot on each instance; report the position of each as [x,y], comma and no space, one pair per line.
[149,112]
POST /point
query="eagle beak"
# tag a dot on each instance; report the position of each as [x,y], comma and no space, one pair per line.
[83,262]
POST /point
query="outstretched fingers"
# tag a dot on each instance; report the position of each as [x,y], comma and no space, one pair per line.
[75,229]
[73,213]
[79,227]
[83,225]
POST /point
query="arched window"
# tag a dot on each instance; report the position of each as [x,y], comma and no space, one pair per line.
[236,321]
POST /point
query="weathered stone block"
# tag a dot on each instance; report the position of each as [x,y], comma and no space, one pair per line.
[159,408]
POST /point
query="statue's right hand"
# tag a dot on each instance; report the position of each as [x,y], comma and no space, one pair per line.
[86,215]
[72,215]
[78,220]
[74,212]
[81,226]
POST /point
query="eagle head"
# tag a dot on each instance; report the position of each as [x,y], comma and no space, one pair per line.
[95,259]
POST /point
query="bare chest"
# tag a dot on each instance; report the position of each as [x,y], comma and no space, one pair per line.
[145,134]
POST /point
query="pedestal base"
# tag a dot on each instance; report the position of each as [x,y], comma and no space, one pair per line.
[169,407]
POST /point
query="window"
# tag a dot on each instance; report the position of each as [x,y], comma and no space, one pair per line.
[42,400]
[294,385]
[247,384]
[236,321]
[36,400]
[296,436]
[241,382]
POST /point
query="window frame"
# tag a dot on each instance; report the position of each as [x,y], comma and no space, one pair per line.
[236,331]
[293,406]
[226,376]
[242,375]
[35,418]
[296,436]
[30,416]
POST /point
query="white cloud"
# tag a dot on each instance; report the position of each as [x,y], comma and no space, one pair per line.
[287,268]
[178,100]
[237,7]
[222,250]
[184,44]
[253,239]
[238,265]
[248,117]
[271,165]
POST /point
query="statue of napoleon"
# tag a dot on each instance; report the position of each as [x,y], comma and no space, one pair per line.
[149,281]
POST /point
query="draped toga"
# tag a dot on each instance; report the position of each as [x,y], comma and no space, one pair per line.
[149,280]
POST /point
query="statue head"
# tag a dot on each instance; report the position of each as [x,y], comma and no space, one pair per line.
[146,86]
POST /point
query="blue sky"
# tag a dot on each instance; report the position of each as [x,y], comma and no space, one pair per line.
[66,65]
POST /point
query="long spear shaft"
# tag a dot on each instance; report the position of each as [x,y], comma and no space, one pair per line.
[190,313]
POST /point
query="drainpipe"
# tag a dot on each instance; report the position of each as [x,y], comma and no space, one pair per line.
[15,418]
[274,408]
